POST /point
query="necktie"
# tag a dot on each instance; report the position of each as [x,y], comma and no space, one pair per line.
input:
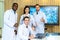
[26,26]
[14,12]
[37,12]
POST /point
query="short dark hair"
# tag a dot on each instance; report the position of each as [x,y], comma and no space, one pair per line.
[37,5]
[14,4]
[26,17]
[25,8]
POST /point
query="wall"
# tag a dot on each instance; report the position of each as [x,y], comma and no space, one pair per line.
[23,3]
[1,15]
[1,12]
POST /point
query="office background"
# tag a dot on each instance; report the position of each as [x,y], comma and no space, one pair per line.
[6,4]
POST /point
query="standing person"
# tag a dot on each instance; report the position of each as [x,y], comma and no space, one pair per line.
[40,19]
[24,30]
[26,13]
[10,23]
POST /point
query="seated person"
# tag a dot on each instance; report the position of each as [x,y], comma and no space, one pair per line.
[24,30]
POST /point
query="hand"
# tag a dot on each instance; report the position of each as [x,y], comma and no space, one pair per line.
[15,32]
[42,20]
[31,37]
[16,25]
[33,28]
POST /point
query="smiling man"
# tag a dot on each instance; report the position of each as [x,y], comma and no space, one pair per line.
[24,30]
[10,23]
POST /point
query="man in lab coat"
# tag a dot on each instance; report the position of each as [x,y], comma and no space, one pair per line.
[40,19]
[24,30]
[10,23]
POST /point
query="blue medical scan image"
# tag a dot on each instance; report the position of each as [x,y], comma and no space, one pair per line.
[51,13]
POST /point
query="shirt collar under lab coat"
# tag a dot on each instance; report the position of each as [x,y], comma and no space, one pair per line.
[38,11]
[26,25]
[27,14]
[13,11]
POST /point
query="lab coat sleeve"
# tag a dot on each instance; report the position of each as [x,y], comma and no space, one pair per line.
[20,34]
[16,17]
[21,20]
[31,31]
[44,16]
[6,19]
[33,21]
[34,18]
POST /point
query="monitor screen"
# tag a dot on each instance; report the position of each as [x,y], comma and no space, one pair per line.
[51,12]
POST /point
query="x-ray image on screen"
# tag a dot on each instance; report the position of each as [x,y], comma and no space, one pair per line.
[51,13]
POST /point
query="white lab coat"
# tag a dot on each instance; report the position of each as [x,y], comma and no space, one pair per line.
[32,22]
[40,25]
[34,32]
[10,18]
[23,32]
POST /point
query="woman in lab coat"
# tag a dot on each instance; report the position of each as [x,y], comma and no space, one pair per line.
[26,13]
[40,19]
[10,22]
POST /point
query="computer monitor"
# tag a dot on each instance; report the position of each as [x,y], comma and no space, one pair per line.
[51,12]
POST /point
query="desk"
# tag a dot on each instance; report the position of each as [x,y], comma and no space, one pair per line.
[50,38]
[40,39]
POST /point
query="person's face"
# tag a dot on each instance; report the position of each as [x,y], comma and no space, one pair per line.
[27,10]
[15,7]
[26,21]
[37,8]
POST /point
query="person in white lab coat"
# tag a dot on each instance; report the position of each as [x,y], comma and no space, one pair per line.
[26,13]
[24,30]
[40,19]
[10,23]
